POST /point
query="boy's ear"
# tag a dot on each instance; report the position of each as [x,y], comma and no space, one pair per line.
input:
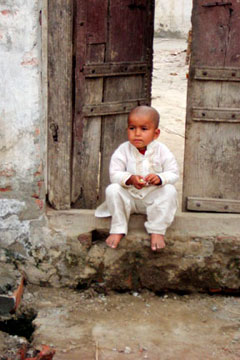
[157,133]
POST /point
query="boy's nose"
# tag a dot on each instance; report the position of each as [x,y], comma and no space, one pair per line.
[138,132]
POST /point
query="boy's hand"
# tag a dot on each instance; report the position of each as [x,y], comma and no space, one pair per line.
[137,181]
[153,179]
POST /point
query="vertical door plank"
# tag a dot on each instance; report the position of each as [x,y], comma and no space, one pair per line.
[122,88]
[90,149]
[127,30]
[113,134]
[215,34]
[59,102]
[89,178]
[90,39]
[80,51]
[97,21]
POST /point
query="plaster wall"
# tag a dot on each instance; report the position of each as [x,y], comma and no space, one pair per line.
[172,18]
[21,137]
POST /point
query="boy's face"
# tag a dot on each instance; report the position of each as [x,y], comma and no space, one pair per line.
[141,130]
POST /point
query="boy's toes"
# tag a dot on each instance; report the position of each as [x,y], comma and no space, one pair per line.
[157,242]
[154,247]
[113,240]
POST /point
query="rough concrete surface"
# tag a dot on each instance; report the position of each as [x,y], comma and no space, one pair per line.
[139,325]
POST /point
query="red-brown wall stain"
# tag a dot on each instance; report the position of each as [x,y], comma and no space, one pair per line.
[39,203]
[6,189]
[33,61]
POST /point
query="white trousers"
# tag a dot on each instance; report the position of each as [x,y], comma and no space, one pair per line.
[159,205]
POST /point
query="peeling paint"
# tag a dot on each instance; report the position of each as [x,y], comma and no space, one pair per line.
[8,172]
[30,62]
[39,171]
[9,206]
[5,189]
[6,12]
[40,203]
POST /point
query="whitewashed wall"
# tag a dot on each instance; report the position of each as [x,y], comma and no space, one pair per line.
[172,18]
[22,194]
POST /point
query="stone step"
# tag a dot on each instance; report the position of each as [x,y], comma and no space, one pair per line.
[202,253]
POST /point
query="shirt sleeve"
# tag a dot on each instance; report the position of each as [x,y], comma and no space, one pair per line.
[170,171]
[117,168]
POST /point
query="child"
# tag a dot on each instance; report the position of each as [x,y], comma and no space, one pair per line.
[142,173]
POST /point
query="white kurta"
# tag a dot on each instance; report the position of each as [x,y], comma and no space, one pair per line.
[158,202]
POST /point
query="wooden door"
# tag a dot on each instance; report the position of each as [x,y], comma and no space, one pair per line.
[113,65]
[212,147]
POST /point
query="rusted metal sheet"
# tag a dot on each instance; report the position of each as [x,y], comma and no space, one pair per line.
[113,52]
[211,163]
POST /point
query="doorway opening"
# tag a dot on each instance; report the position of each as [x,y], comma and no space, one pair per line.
[171,57]
[169,90]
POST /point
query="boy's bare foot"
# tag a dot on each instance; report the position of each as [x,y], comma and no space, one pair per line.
[113,240]
[157,242]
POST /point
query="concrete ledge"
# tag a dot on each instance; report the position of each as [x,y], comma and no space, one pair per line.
[75,222]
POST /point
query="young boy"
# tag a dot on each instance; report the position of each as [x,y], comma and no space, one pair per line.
[142,173]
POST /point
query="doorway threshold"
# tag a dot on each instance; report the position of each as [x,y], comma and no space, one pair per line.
[191,224]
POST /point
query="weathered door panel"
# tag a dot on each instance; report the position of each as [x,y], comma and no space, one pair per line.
[59,102]
[212,146]
[113,133]
[127,30]
[113,52]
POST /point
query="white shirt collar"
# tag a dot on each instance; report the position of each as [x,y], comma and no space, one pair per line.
[150,147]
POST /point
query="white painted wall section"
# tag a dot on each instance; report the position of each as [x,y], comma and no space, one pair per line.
[173,18]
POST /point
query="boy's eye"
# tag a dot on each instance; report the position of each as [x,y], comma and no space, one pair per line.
[144,128]
[131,127]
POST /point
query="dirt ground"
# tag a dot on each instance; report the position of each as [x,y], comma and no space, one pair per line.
[96,326]
[88,325]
